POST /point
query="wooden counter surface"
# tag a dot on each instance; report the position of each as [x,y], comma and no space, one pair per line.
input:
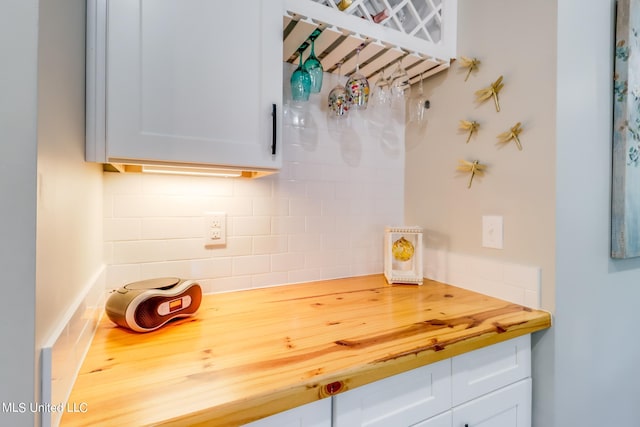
[249,354]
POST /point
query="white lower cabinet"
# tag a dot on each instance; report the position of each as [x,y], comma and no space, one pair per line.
[489,387]
[314,414]
[401,400]
[508,407]
[442,420]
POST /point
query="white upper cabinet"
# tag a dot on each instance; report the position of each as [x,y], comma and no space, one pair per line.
[185,82]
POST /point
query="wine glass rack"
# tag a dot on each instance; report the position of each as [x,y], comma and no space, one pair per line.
[421,34]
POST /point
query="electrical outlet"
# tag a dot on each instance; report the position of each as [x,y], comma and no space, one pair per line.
[492,232]
[215,228]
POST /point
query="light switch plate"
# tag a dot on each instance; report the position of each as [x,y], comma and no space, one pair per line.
[492,232]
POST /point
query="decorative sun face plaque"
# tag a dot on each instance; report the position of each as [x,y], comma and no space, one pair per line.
[403,254]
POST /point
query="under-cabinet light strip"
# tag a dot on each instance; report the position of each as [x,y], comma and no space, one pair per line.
[186,170]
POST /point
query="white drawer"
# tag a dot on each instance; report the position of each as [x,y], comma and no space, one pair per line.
[401,400]
[442,420]
[487,369]
[314,414]
[508,407]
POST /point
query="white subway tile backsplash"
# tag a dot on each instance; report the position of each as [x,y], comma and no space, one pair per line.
[121,274]
[512,282]
[245,265]
[138,251]
[335,272]
[271,207]
[290,189]
[526,277]
[304,242]
[306,275]
[270,244]
[287,262]
[334,240]
[335,193]
[252,188]
[185,249]
[122,229]
[166,269]
[226,284]
[250,225]
[305,207]
[210,268]
[305,171]
[320,224]
[171,228]
[269,279]
[288,225]
[63,352]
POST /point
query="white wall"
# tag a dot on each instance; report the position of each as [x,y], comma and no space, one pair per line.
[18,46]
[43,176]
[69,197]
[596,346]
[321,217]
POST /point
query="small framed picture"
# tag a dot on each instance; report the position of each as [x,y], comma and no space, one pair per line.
[403,254]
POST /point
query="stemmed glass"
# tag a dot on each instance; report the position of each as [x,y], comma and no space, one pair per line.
[381,94]
[400,85]
[357,87]
[300,82]
[418,104]
[338,99]
[314,67]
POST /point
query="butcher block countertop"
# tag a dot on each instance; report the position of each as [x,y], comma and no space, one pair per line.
[249,354]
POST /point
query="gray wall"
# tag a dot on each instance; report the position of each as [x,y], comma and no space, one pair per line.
[18,104]
[596,338]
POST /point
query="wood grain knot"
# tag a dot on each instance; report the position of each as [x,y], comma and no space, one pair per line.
[333,388]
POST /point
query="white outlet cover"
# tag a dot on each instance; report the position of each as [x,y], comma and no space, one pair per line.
[215,229]
[492,231]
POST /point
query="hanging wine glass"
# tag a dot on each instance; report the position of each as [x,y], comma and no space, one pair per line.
[338,99]
[400,86]
[300,82]
[418,104]
[357,87]
[314,66]
[381,94]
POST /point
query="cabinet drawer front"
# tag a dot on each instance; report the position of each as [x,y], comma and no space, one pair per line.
[442,420]
[401,400]
[315,414]
[487,369]
[507,407]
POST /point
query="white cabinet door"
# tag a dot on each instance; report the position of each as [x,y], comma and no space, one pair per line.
[481,371]
[442,420]
[315,414]
[194,82]
[508,407]
[401,400]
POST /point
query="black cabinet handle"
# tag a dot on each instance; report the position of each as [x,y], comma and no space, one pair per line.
[274,136]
